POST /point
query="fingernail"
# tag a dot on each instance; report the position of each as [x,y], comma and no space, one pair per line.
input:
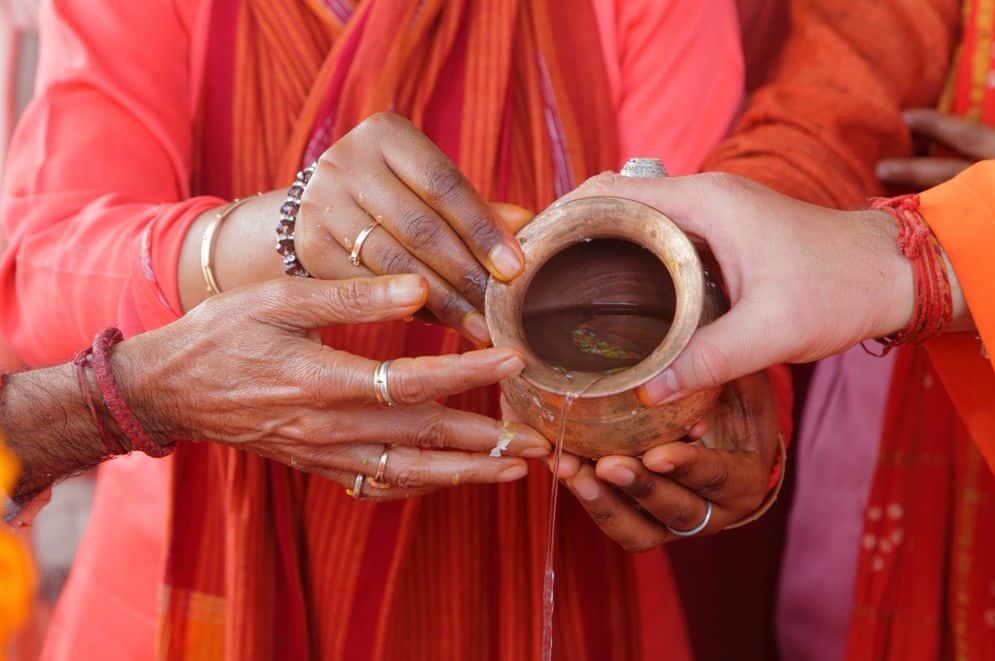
[661,467]
[586,487]
[619,475]
[535,452]
[512,473]
[476,327]
[510,366]
[406,289]
[506,261]
[662,389]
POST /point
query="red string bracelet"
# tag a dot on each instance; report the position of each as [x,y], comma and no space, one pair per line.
[131,428]
[933,308]
[80,363]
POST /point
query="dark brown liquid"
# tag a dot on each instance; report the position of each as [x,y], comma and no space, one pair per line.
[598,306]
[595,338]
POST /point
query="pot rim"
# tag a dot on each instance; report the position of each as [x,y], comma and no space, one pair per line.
[564,225]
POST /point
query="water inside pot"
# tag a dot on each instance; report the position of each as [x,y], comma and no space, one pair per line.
[598,306]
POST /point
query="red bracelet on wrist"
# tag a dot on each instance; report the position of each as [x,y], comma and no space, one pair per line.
[80,363]
[933,308]
[130,427]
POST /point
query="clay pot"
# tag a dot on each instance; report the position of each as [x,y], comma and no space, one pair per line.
[611,293]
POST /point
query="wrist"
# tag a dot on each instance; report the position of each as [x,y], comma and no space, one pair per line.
[138,371]
[893,287]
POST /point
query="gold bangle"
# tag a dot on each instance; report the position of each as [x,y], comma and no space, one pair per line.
[771,497]
[207,242]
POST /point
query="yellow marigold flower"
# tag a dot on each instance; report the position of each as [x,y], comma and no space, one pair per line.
[16,571]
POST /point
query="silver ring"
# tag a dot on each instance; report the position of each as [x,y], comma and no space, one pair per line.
[380,384]
[357,487]
[643,168]
[360,240]
[698,528]
[378,479]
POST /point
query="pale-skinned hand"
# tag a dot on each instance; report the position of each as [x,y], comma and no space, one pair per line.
[804,282]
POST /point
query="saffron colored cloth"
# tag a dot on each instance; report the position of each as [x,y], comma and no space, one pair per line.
[912,569]
[104,176]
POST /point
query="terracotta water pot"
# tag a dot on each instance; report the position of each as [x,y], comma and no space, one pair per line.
[626,259]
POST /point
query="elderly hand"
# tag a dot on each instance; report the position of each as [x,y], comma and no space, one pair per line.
[969,140]
[246,369]
[430,219]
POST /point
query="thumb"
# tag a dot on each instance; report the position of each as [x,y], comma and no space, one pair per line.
[306,303]
[734,345]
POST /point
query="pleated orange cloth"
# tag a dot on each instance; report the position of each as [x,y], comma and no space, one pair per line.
[265,562]
[186,103]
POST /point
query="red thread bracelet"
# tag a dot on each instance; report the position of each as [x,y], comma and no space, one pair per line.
[80,363]
[116,406]
[933,309]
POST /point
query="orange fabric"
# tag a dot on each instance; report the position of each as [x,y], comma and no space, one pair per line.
[961,213]
[96,218]
[829,110]
[409,580]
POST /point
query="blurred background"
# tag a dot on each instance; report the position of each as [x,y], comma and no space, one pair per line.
[57,531]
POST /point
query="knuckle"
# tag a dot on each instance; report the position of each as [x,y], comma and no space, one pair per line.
[603,516]
[396,260]
[380,122]
[451,308]
[350,296]
[643,487]
[482,231]
[709,365]
[432,432]
[409,478]
[443,181]
[684,516]
[422,230]
[716,481]
[602,182]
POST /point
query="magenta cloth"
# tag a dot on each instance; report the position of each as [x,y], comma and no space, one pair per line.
[837,456]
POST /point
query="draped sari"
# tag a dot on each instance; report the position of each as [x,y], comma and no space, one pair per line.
[148,114]
[266,562]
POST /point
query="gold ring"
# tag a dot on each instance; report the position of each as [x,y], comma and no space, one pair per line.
[378,479]
[380,384]
[360,240]
[357,487]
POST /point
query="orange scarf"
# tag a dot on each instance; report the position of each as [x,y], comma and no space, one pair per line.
[266,562]
[926,579]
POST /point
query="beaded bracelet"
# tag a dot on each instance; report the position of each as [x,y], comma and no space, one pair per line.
[288,220]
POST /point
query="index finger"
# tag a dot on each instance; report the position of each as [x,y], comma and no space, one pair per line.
[434,178]
[341,377]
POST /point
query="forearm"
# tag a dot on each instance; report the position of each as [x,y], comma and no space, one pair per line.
[244,249]
[49,427]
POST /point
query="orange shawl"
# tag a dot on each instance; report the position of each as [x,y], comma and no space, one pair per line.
[266,562]
[926,579]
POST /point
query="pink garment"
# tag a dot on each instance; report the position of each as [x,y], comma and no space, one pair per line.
[837,455]
[98,201]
